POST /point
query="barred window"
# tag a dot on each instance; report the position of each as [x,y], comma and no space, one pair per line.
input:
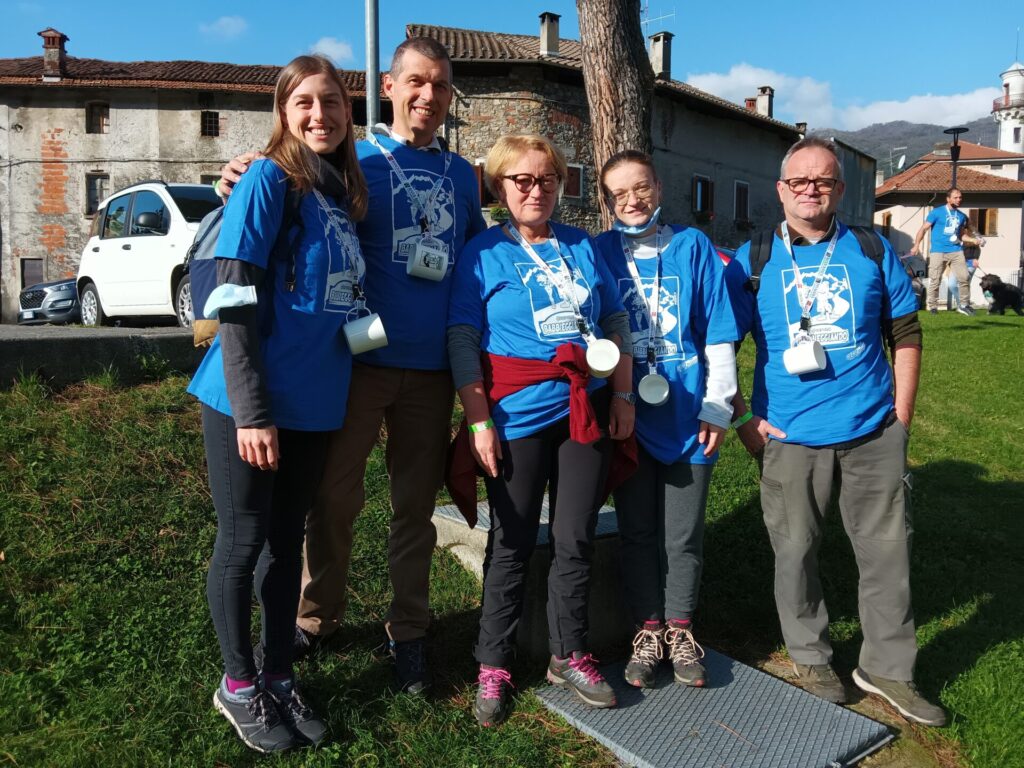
[209,123]
[97,117]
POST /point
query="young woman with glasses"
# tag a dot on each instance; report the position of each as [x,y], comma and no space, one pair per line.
[531,302]
[672,284]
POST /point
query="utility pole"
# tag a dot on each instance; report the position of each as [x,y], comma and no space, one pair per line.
[372,67]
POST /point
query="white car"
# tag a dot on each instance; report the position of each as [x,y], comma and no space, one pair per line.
[134,261]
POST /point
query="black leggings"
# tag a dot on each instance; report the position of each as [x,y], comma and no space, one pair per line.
[575,475]
[261,517]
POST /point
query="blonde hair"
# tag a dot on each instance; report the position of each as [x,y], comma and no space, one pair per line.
[293,156]
[508,149]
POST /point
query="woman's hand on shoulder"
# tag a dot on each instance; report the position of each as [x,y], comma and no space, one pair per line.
[258,446]
[232,171]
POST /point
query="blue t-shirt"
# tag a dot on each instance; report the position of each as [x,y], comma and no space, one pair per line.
[500,291]
[694,310]
[306,359]
[852,396]
[947,227]
[413,309]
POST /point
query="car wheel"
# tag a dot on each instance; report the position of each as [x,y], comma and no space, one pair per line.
[183,302]
[92,310]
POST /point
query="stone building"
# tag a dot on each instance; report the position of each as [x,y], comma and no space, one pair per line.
[73,130]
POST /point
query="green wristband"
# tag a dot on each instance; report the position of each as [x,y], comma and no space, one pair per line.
[743,419]
[482,426]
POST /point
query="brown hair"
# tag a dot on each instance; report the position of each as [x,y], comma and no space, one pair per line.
[508,149]
[293,156]
[623,157]
[424,46]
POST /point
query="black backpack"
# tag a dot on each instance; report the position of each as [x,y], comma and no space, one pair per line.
[761,251]
[201,265]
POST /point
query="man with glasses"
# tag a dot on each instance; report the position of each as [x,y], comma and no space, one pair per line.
[948,224]
[424,206]
[828,410]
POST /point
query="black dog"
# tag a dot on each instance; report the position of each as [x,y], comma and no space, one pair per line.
[1003,296]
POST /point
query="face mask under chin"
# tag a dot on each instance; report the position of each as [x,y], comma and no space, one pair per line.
[636,229]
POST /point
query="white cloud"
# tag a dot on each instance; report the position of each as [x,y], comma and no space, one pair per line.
[808,100]
[940,110]
[336,50]
[225,28]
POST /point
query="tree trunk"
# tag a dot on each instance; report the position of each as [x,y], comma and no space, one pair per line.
[618,78]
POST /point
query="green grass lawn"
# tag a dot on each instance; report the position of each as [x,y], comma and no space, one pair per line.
[107,655]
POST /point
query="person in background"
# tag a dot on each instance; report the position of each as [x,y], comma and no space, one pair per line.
[535,299]
[273,386]
[682,329]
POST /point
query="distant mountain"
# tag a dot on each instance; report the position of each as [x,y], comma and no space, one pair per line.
[918,138]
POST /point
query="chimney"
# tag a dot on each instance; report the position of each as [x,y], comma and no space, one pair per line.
[750,103]
[53,55]
[879,177]
[801,128]
[549,33]
[661,55]
[766,101]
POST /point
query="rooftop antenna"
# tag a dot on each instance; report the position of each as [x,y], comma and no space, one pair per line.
[646,20]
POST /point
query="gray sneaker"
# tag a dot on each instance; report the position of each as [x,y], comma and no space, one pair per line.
[296,713]
[904,696]
[579,672]
[492,705]
[253,713]
[821,680]
[685,654]
[964,309]
[647,654]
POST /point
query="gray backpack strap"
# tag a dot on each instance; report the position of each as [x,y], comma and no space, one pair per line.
[760,252]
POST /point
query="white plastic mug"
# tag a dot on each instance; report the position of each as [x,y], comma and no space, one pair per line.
[428,262]
[365,334]
[602,357]
[806,357]
[653,389]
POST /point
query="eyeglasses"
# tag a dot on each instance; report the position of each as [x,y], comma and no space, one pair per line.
[525,182]
[642,192]
[801,184]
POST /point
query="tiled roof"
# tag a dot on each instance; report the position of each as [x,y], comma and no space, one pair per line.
[246,78]
[938,176]
[969,151]
[470,45]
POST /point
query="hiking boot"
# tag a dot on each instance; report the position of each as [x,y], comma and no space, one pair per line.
[904,696]
[579,672]
[491,707]
[410,657]
[303,644]
[647,654]
[963,309]
[253,713]
[821,680]
[685,655]
[295,712]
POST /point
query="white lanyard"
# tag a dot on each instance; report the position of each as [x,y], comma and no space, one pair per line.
[654,304]
[566,287]
[424,204]
[805,310]
[349,261]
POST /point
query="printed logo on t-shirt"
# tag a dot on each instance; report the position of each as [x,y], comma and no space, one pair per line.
[553,313]
[667,339]
[346,263]
[833,320]
[405,213]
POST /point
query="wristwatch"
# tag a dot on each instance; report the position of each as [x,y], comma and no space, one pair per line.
[629,397]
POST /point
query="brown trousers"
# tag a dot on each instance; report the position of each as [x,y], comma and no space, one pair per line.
[415,407]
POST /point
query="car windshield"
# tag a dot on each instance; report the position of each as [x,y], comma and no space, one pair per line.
[194,202]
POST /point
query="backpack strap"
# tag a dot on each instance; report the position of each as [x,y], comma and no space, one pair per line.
[870,243]
[760,252]
[289,234]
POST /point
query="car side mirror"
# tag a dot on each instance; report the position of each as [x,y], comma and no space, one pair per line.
[151,222]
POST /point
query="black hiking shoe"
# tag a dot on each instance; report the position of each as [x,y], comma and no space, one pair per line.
[254,715]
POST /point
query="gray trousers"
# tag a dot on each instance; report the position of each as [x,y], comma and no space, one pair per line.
[874,501]
[661,537]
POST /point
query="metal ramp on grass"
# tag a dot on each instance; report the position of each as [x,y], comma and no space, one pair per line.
[745,719]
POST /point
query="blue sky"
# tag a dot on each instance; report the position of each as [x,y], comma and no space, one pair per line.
[839,65]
